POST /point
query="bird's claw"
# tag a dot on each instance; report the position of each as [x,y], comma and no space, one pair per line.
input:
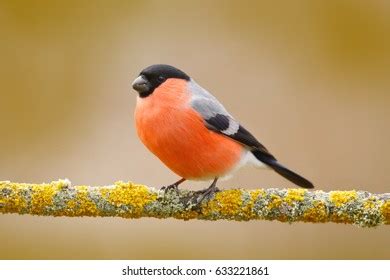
[174,187]
[203,195]
[207,192]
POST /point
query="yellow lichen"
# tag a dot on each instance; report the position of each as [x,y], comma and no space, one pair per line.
[339,198]
[129,194]
[42,196]
[71,207]
[276,201]
[385,208]
[60,184]
[82,205]
[317,213]
[187,215]
[247,210]
[226,203]
[255,194]
[370,204]
[341,218]
[294,195]
[132,201]
[14,200]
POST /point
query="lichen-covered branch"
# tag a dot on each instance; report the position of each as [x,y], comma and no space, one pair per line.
[130,200]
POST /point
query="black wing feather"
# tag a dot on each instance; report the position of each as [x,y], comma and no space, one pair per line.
[221,122]
[218,123]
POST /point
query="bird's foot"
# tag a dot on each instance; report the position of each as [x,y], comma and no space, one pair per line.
[207,193]
[201,196]
[174,187]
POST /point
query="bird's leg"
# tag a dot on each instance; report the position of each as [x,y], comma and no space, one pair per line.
[174,186]
[207,193]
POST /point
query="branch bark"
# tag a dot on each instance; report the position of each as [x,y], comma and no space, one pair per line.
[130,200]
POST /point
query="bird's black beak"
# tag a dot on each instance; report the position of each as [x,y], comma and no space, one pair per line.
[141,84]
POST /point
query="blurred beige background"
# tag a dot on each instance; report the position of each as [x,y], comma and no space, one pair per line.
[309,78]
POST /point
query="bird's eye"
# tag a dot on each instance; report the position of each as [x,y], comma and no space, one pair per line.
[161,78]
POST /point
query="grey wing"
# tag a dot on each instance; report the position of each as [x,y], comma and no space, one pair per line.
[218,119]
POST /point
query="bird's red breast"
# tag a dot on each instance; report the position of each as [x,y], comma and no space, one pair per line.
[177,135]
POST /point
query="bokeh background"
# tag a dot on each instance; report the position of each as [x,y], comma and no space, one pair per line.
[309,78]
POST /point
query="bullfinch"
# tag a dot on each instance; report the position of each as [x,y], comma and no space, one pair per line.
[192,133]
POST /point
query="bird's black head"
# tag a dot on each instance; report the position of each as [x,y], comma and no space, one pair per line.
[153,76]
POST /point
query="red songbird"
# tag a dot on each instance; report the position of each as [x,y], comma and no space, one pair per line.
[191,132]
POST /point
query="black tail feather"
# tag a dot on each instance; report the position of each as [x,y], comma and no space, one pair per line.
[285,172]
